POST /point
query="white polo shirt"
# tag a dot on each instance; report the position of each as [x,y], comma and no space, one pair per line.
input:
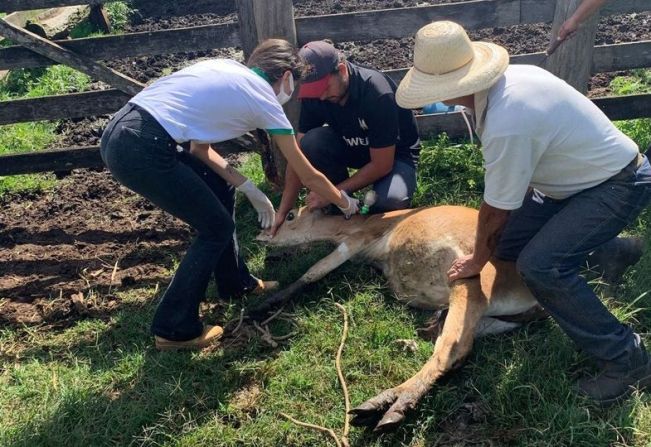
[538,131]
[212,101]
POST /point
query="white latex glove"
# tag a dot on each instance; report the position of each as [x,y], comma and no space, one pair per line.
[260,202]
[352,208]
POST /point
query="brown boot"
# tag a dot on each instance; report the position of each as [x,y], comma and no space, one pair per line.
[210,335]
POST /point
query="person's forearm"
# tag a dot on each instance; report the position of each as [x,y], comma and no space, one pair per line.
[217,163]
[489,229]
[367,174]
[308,175]
[586,9]
[291,189]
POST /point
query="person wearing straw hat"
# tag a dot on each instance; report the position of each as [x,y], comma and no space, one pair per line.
[560,181]
[349,119]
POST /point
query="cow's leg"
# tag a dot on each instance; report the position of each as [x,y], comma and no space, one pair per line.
[341,254]
[467,305]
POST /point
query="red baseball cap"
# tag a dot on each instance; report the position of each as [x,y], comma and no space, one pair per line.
[322,59]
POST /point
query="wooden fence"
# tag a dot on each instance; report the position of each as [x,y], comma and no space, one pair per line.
[258,19]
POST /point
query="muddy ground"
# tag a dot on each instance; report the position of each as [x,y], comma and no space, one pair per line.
[64,253]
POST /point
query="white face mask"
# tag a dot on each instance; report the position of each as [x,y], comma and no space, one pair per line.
[282,96]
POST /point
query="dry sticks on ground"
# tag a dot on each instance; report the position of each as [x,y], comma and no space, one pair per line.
[343,441]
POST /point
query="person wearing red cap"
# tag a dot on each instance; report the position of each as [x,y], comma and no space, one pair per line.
[349,119]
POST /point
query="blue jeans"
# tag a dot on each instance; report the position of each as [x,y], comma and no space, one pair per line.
[143,157]
[328,153]
[550,240]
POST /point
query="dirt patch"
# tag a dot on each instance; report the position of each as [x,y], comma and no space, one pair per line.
[90,237]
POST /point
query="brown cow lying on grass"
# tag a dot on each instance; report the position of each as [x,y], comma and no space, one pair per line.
[414,249]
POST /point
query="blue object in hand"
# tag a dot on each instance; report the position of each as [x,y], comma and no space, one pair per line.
[437,107]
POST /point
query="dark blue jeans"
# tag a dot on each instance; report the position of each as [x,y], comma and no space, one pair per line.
[550,240]
[328,153]
[143,157]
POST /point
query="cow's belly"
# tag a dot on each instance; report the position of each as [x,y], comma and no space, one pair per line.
[417,273]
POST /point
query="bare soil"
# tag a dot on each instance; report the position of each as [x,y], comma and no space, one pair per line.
[64,253]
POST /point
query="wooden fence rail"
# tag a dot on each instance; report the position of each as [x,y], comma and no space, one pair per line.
[206,37]
[616,108]
[163,6]
[606,58]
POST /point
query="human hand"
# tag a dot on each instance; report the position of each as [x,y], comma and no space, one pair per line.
[567,29]
[464,267]
[261,203]
[278,221]
[351,208]
[315,201]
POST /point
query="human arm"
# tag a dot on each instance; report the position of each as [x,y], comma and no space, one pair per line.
[510,162]
[571,25]
[291,189]
[218,164]
[310,177]
[489,228]
[381,164]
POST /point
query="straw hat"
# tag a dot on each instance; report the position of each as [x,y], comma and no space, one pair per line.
[448,65]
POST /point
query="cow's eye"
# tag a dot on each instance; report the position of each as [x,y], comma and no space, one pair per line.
[290,215]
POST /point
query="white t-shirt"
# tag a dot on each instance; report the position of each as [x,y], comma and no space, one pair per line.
[540,132]
[212,101]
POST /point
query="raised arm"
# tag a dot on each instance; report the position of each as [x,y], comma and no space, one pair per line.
[585,10]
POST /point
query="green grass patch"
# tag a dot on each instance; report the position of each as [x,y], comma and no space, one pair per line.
[449,173]
[100,382]
[639,82]
[119,14]
[34,136]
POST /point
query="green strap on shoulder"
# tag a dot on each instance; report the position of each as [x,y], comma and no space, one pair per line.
[262,74]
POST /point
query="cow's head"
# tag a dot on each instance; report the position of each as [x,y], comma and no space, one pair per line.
[303,226]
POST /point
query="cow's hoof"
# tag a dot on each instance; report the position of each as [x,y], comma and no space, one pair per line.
[369,419]
[390,422]
[371,411]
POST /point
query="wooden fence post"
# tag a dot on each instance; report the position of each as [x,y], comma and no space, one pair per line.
[572,61]
[259,20]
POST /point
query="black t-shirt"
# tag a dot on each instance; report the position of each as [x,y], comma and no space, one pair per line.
[370,118]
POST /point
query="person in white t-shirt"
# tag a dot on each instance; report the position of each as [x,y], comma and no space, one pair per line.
[560,181]
[204,104]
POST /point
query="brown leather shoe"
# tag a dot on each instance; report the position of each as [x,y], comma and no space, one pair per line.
[265,286]
[210,334]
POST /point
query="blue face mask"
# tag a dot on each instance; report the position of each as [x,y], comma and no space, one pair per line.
[282,96]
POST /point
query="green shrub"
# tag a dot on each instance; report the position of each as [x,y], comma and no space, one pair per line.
[119,13]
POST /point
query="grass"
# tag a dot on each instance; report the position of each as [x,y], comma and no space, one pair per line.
[34,136]
[639,82]
[101,383]
[31,83]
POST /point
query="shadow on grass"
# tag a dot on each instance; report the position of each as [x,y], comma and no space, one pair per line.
[140,395]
